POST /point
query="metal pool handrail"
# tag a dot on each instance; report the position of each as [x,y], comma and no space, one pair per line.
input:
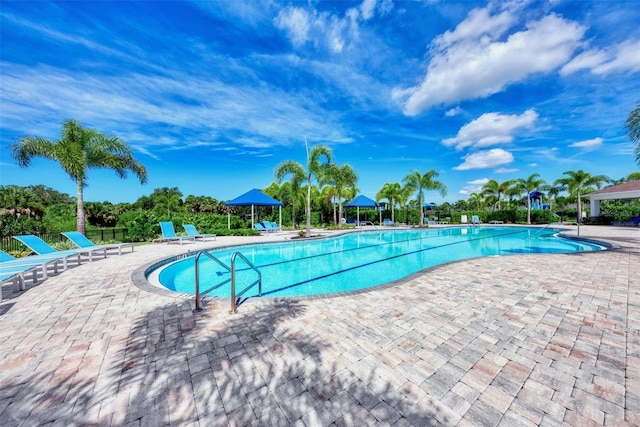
[233,280]
[232,270]
[197,291]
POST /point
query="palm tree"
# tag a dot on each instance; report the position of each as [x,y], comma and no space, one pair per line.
[528,186]
[169,202]
[633,129]
[474,199]
[393,193]
[420,182]
[343,178]
[78,150]
[633,176]
[291,194]
[298,173]
[327,197]
[553,191]
[495,189]
[578,183]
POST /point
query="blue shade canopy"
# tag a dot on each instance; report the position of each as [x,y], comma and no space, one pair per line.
[361,201]
[254,197]
[429,205]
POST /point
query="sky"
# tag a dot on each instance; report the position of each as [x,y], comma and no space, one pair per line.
[212,95]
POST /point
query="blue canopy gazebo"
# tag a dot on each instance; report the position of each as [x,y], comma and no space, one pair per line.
[361,201]
[253,198]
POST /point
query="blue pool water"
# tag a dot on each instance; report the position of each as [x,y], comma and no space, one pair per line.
[359,260]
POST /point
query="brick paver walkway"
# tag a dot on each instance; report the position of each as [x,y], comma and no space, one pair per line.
[511,341]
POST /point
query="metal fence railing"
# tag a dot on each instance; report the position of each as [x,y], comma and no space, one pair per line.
[9,244]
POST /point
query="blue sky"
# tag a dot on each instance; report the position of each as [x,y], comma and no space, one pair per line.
[211,96]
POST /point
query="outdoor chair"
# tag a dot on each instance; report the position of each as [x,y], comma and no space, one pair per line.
[81,241]
[169,234]
[275,226]
[16,268]
[193,231]
[258,226]
[41,247]
[268,225]
[475,219]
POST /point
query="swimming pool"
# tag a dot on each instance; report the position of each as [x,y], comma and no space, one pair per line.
[359,260]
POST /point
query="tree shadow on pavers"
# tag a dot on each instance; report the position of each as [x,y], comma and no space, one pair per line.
[262,366]
[61,394]
[5,307]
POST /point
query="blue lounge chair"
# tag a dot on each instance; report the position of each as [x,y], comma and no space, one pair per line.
[475,220]
[268,225]
[41,247]
[10,269]
[275,226]
[81,241]
[387,222]
[193,231]
[9,262]
[169,234]
[16,268]
[258,226]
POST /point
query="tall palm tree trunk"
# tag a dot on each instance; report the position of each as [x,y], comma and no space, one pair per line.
[579,209]
[308,211]
[393,219]
[80,223]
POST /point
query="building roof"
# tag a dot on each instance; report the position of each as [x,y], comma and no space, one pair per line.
[627,190]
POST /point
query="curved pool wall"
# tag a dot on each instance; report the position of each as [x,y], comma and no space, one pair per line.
[354,261]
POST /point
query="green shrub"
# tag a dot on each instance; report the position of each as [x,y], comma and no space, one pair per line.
[140,225]
[543,216]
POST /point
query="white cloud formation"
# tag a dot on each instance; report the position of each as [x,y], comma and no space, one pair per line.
[326,29]
[36,100]
[473,62]
[506,170]
[453,112]
[491,129]
[296,23]
[622,57]
[485,159]
[474,186]
[367,9]
[589,144]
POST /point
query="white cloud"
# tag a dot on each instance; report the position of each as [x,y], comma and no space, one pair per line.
[589,144]
[485,159]
[472,62]
[479,23]
[453,112]
[326,29]
[491,129]
[474,186]
[480,181]
[367,8]
[506,170]
[36,100]
[295,22]
[618,58]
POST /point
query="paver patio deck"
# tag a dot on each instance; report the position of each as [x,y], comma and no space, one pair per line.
[504,341]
